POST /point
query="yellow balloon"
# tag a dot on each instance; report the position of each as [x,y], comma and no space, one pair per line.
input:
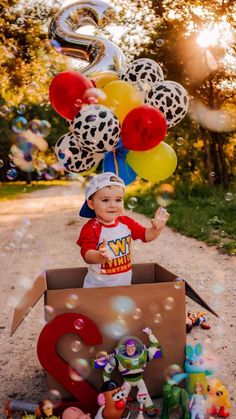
[156,164]
[101,79]
[121,98]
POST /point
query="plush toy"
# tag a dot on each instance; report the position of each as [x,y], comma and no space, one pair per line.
[196,369]
[217,397]
[196,319]
[197,403]
[111,400]
[75,413]
[131,357]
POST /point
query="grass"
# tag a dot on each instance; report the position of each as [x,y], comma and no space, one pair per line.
[13,190]
[205,214]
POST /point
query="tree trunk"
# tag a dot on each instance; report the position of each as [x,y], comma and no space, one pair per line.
[225,176]
[210,178]
[215,157]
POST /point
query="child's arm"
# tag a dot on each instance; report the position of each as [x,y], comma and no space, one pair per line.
[98,256]
[158,223]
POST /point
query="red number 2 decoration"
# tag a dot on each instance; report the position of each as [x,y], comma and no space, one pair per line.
[56,366]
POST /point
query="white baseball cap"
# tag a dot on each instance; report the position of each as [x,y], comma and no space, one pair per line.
[98,182]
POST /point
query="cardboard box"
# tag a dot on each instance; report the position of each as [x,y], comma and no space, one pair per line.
[156,293]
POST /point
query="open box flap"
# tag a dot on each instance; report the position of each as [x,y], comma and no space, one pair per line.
[28,301]
[167,276]
[191,293]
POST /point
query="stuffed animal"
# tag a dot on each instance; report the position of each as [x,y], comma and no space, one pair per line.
[196,319]
[218,398]
[196,369]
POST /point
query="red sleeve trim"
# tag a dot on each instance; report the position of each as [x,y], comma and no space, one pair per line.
[137,230]
[89,236]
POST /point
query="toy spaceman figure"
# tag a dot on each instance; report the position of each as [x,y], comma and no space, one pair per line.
[131,357]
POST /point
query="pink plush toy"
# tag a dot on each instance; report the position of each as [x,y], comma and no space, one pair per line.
[75,413]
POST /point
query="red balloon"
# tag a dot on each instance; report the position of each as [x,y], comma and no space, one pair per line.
[66,91]
[143,128]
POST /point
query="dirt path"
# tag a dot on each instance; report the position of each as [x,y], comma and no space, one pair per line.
[39,231]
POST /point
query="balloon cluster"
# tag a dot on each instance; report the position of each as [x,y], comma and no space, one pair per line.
[120,115]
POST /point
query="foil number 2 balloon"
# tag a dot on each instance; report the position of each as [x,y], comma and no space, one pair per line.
[103,55]
[56,366]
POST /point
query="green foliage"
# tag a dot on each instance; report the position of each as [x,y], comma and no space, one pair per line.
[196,211]
[206,72]
[27,60]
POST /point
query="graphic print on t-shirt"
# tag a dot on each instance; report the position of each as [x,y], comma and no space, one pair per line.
[120,262]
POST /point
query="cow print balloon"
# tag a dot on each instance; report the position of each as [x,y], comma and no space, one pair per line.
[171,99]
[143,74]
[72,157]
[97,128]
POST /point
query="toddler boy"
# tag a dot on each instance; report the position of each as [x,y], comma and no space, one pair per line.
[106,238]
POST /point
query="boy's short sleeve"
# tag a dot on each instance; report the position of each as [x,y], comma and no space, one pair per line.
[137,230]
[88,238]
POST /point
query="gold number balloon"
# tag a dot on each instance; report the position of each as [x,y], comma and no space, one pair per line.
[103,55]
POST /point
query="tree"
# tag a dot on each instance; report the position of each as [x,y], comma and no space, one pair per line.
[28,62]
[193,41]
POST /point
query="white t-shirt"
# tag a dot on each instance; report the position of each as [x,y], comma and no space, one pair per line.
[117,271]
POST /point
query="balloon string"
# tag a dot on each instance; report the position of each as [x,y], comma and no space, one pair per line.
[115,163]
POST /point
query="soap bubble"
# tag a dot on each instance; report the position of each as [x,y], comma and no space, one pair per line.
[49,313]
[164,194]
[157,318]
[19,124]
[218,288]
[169,303]
[159,43]
[54,396]
[11,174]
[79,324]
[72,301]
[228,196]
[55,44]
[137,313]
[116,329]
[1,163]
[76,346]
[132,202]
[178,283]
[170,371]
[180,141]
[4,110]
[95,224]
[35,126]
[101,358]
[45,128]
[79,369]
[21,109]
[93,95]
[123,304]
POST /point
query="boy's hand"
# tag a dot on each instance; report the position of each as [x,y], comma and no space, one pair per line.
[160,219]
[105,251]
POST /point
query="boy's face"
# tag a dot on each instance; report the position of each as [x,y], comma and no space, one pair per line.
[107,204]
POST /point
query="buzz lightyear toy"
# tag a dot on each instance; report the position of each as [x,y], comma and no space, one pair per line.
[130,357]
